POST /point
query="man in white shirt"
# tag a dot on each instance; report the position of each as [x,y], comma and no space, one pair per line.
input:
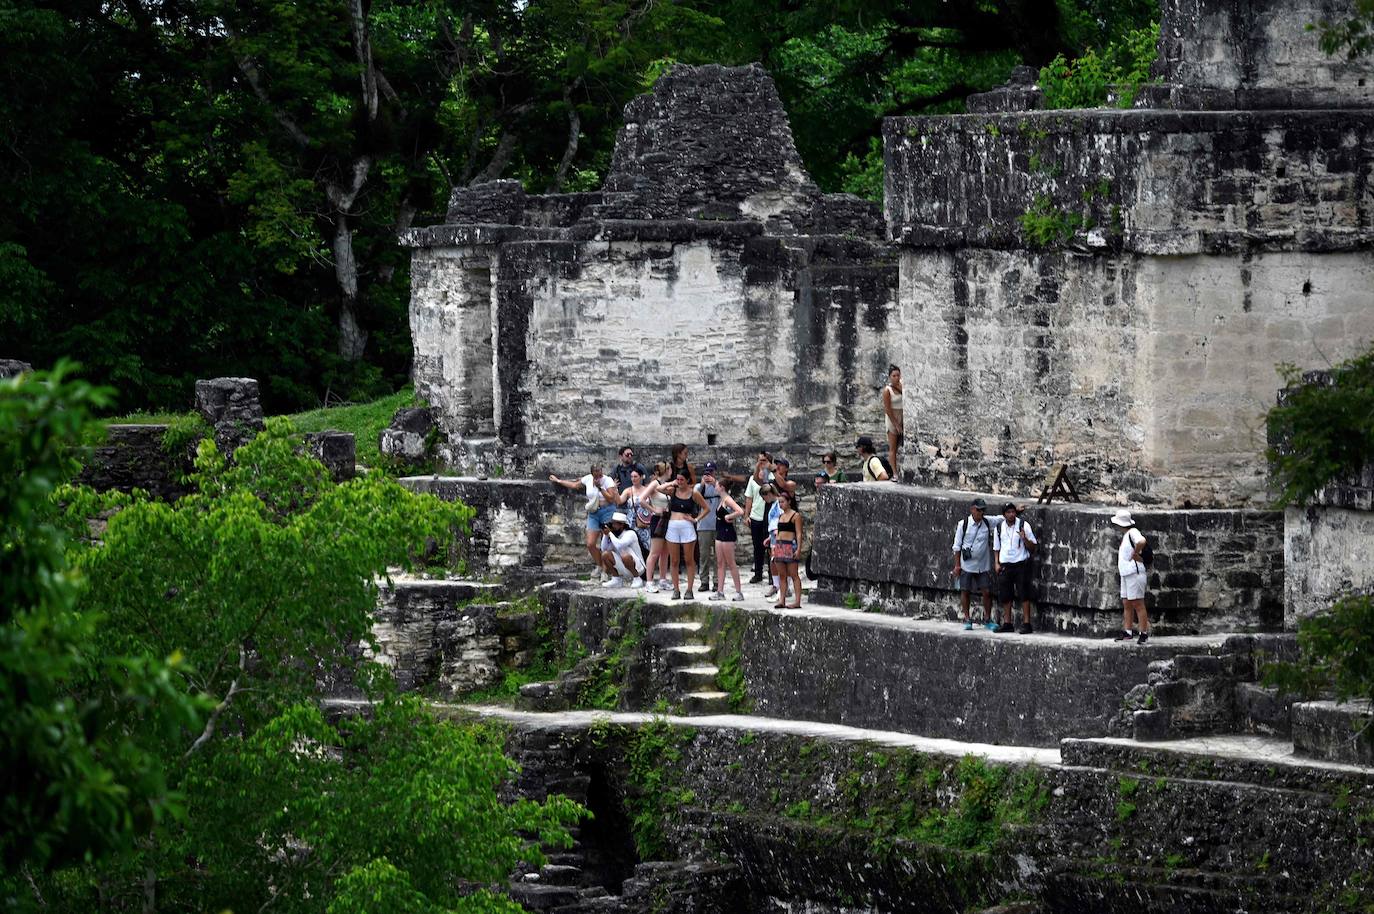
[620,552]
[1130,564]
[973,562]
[1013,543]
[600,492]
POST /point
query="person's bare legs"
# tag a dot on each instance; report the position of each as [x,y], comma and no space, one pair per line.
[1127,614]
[653,564]
[1137,609]
[987,606]
[892,455]
[593,538]
[674,562]
[1026,611]
[725,561]
[689,558]
[965,598]
[794,572]
[783,579]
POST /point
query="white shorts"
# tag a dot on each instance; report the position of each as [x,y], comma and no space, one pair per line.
[682,531]
[1133,586]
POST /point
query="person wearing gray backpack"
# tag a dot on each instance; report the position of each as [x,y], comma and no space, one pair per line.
[973,562]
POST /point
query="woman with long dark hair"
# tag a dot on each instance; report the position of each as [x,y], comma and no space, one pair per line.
[893,418]
[786,550]
[686,508]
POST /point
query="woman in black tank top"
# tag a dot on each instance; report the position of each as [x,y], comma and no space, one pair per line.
[726,537]
[787,549]
[686,507]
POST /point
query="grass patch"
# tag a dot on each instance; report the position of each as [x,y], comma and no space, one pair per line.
[364,420]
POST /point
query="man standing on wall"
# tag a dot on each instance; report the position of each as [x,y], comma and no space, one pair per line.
[1130,564]
[756,511]
[601,496]
[973,562]
[1013,542]
[706,528]
[623,469]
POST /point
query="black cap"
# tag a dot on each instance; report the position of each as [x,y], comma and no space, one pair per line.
[784,461]
[980,504]
[1008,507]
[864,443]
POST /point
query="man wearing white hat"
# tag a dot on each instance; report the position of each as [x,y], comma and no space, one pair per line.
[619,551]
[1130,564]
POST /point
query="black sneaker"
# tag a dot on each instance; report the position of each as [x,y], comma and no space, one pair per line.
[1025,628]
[705,586]
[1005,627]
[756,579]
[1124,635]
[1144,636]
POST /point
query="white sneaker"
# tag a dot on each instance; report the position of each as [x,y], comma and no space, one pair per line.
[664,584]
[717,596]
[652,588]
[738,597]
[613,582]
[771,592]
[602,576]
[636,584]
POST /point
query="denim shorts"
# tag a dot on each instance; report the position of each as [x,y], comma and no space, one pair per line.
[600,519]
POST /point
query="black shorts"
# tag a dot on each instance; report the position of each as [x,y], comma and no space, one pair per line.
[725,533]
[1014,582]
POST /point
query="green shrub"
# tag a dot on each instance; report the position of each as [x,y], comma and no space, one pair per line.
[1336,653]
[1321,432]
[1084,82]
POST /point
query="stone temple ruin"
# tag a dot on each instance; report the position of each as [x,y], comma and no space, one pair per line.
[1106,289]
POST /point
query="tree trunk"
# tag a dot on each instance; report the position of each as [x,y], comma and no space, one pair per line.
[352,337]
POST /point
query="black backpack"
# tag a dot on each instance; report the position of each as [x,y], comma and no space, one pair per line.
[1147,555]
[887,467]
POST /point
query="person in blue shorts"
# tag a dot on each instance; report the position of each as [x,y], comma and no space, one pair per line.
[601,495]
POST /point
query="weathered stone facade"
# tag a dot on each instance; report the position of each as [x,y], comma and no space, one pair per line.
[710,293]
[1109,289]
[1214,570]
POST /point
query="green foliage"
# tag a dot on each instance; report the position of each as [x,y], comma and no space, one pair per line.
[1322,432]
[1352,35]
[864,177]
[213,780]
[183,432]
[1084,82]
[364,421]
[1044,224]
[601,692]
[852,600]
[79,781]
[729,642]
[653,753]
[1336,653]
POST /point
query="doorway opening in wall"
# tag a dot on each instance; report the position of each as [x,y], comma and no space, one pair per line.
[480,368]
[711,439]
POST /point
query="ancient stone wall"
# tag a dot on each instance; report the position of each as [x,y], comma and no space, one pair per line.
[1329,548]
[1214,571]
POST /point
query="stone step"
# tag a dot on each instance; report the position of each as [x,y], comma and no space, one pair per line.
[1264,711]
[1236,758]
[695,678]
[706,703]
[536,896]
[672,634]
[1335,731]
[555,874]
[685,655]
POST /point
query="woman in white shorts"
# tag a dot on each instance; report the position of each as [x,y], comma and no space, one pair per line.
[1131,567]
[686,508]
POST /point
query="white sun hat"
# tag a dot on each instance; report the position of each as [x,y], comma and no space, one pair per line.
[618,516]
[1123,518]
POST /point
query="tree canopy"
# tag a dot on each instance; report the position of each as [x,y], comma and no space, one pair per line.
[192,188]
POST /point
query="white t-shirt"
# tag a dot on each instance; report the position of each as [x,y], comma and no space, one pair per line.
[1125,553]
[625,539]
[753,490]
[596,496]
[1010,541]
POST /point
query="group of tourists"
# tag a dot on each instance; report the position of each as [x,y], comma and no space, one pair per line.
[663,530]
[671,529]
[994,557]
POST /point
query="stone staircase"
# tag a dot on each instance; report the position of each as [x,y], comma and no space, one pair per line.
[690,666]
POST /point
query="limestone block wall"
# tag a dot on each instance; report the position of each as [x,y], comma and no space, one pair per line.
[1215,570]
[520,524]
[1256,54]
[1329,548]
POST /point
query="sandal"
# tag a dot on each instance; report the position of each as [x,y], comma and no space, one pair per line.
[795,606]
[778,606]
